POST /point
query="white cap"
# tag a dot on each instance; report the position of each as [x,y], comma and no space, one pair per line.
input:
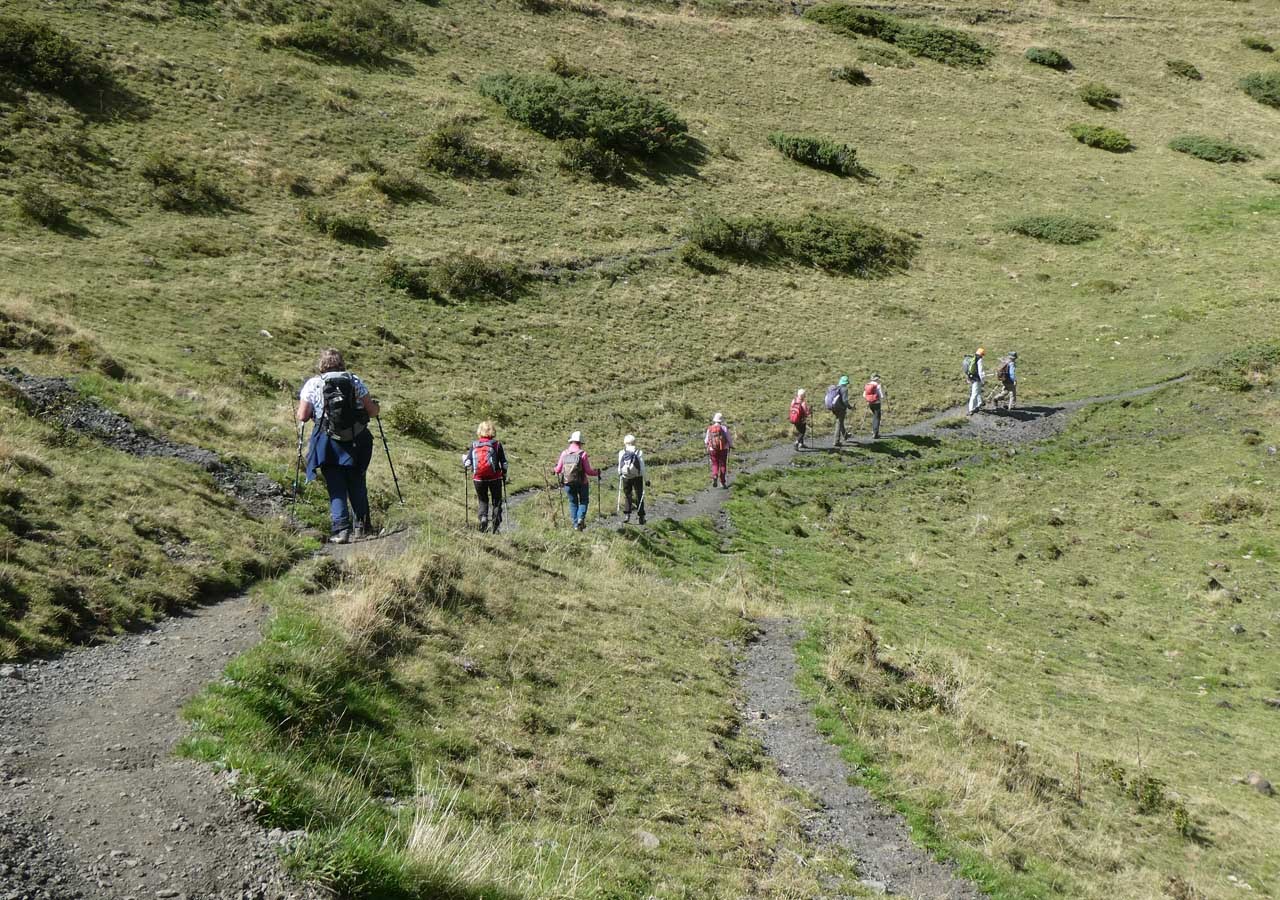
[575,438]
[629,440]
[717,419]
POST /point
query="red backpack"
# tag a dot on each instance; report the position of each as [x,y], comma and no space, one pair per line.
[871,393]
[717,439]
[482,456]
[797,412]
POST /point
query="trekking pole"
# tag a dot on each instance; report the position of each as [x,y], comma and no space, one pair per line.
[466,500]
[617,507]
[390,464]
[297,467]
[600,495]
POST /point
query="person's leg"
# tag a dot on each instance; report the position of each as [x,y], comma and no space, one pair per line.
[494,490]
[335,482]
[875,420]
[640,491]
[714,475]
[482,504]
[975,396]
[1013,394]
[724,468]
[571,492]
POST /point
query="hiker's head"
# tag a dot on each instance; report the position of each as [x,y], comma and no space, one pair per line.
[844,380]
[629,442]
[486,430]
[1013,354]
[330,361]
[717,419]
[800,394]
[875,378]
[981,352]
[576,438]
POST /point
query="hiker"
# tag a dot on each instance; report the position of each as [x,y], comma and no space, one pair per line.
[633,478]
[487,463]
[341,444]
[719,442]
[799,417]
[1008,380]
[837,400]
[874,394]
[975,373]
[573,469]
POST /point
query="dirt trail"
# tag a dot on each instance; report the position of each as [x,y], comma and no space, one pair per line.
[94,802]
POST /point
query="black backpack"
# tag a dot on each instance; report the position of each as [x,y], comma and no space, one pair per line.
[344,417]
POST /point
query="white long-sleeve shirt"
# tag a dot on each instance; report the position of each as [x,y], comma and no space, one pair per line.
[639,461]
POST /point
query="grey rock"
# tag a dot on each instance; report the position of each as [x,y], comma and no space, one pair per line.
[1237,628]
[1259,784]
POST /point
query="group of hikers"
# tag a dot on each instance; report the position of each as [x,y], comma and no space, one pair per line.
[341,445]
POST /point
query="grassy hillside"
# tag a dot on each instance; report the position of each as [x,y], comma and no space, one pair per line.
[565,215]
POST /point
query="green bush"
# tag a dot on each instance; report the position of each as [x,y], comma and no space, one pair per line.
[849,74]
[885,56]
[35,54]
[1099,96]
[1243,369]
[818,153]
[354,31]
[1044,56]
[611,113]
[460,276]
[398,186]
[453,150]
[558,65]
[1263,87]
[1108,139]
[1056,229]
[1212,149]
[944,45]
[831,243]
[1273,177]
[349,228]
[1257,42]
[181,186]
[1183,69]
[37,205]
[586,157]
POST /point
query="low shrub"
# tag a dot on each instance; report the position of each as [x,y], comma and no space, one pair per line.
[1243,369]
[544,7]
[849,75]
[182,186]
[1273,177]
[586,157]
[1183,69]
[1232,507]
[558,65]
[1212,149]
[349,228]
[1052,59]
[411,421]
[831,243]
[463,276]
[1099,96]
[1263,87]
[460,276]
[1056,229]
[885,56]
[944,45]
[1257,42]
[399,186]
[37,205]
[453,150]
[611,113]
[818,153]
[354,31]
[35,54]
[1108,139]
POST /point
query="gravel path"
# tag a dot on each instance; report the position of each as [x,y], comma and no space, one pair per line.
[848,817]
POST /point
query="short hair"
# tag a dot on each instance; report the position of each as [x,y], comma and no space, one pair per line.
[331,361]
[486,430]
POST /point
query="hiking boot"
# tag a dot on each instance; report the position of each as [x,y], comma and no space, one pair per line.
[626,520]
[580,526]
[341,537]
[714,482]
[484,525]
[496,523]
[361,530]
[642,518]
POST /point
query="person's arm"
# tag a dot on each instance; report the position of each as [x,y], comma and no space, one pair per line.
[644,470]
[305,410]
[371,406]
[500,454]
[586,466]
[560,463]
[468,459]
[728,437]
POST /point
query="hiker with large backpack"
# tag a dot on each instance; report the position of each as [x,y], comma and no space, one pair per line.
[799,416]
[573,470]
[341,444]
[633,478]
[718,441]
[837,401]
[874,394]
[974,373]
[487,463]
[1008,381]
